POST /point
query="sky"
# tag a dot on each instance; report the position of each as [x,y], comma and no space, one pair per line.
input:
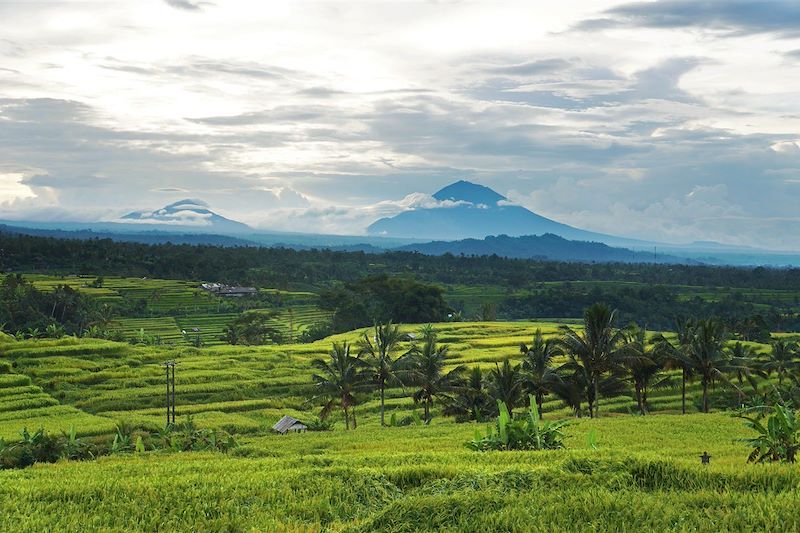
[672,120]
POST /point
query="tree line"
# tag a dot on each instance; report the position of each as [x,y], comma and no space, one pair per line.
[286,268]
[579,367]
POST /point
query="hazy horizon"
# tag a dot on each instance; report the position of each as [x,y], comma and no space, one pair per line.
[670,121]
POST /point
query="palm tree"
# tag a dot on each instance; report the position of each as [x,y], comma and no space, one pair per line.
[643,365]
[378,353]
[676,353]
[340,377]
[594,351]
[743,361]
[538,374]
[426,369]
[471,399]
[708,356]
[505,384]
[427,333]
[781,359]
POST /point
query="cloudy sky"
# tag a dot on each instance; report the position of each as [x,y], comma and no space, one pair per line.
[672,120]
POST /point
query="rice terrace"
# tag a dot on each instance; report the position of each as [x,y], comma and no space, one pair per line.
[399,266]
[407,426]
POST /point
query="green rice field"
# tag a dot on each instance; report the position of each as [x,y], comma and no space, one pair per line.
[637,474]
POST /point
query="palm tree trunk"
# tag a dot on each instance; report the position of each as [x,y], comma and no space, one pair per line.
[639,398]
[346,418]
[596,397]
[539,402]
[354,417]
[383,423]
[705,396]
[683,391]
[645,410]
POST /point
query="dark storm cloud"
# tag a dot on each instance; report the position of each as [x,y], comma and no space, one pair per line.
[733,17]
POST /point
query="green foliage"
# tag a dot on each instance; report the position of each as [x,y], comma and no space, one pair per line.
[44,447]
[413,419]
[32,313]
[339,378]
[425,367]
[377,349]
[778,439]
[594,351]
[320,424]
[315,332]
[527,433]
[186,436]
[253,328]
[505,383]
[384,299]
[472,400]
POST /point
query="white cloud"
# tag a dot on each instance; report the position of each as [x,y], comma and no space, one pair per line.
[786,147]
[310,115]
[12,188]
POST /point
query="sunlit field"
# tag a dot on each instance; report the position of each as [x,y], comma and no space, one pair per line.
[621,472]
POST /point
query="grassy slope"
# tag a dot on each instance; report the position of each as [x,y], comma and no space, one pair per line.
[188,307]
[644,476]
[242,389]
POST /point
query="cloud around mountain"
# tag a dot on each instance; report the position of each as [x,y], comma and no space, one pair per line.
[186,214]
[476,211]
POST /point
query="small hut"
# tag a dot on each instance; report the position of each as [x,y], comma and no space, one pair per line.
[287,424]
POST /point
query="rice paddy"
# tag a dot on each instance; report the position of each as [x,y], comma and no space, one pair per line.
[639,473]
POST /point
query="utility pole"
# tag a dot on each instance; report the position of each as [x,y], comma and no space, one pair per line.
[169,367]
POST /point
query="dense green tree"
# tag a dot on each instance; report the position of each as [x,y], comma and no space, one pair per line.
[383,299]
[253,328]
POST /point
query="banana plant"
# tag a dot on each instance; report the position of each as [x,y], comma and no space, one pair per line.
[527,433]
[778,440]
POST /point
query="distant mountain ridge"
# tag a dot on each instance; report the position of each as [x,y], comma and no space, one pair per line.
[475,211]
[545,247]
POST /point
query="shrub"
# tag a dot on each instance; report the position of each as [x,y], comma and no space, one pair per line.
[42,447]
[412,420]
[316,332]
[186,436]
[319,424]
[526,433]
[778,439]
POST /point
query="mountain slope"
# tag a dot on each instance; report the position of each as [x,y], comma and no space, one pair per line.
[547,246]
[469,210]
